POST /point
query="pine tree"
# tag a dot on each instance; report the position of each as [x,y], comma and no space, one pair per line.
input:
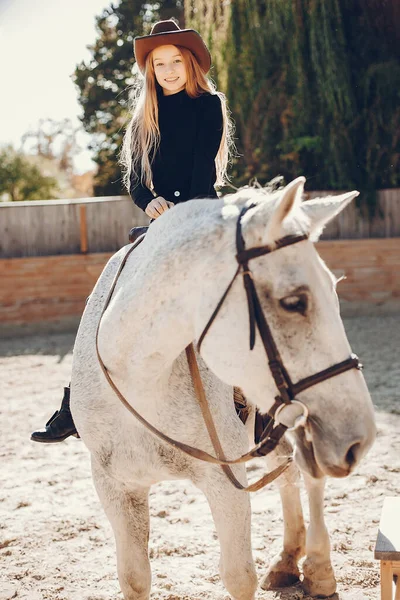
[103,82]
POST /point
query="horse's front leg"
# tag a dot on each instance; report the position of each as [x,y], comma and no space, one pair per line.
[128,513]
[231,513]
[319,578]
[284,570]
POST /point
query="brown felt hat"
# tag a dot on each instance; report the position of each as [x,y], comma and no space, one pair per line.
[168,32]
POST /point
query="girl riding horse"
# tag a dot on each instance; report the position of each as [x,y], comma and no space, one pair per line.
[176,146]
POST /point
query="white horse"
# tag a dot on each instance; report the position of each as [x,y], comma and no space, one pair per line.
[164,297]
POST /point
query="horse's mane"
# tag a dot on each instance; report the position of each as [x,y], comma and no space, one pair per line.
[265,200]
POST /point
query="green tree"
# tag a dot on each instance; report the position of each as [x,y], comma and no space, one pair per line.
[22,180]
[313,87]
[104,81]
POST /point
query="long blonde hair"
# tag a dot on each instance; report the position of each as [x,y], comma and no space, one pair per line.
[142,136]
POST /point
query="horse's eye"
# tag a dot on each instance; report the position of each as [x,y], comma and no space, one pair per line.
[297,303]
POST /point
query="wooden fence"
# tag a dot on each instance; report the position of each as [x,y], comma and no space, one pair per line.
[50,291]
[88,225]
[52,227]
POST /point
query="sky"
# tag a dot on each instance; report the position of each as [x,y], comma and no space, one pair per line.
[41,42]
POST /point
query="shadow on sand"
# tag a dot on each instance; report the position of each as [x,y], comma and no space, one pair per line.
[375,339]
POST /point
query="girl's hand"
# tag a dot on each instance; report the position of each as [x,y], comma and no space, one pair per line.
[157,206]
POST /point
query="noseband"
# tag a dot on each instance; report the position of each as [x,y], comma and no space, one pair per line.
[286,388]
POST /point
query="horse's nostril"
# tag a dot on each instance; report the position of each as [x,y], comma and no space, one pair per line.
[351,456]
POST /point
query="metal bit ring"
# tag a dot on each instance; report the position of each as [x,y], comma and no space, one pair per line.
[301,420]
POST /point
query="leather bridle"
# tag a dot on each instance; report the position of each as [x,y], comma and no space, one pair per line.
[288,390]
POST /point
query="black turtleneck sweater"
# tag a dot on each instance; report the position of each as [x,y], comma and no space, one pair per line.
[184,165]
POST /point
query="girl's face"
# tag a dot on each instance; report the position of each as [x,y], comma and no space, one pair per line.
[169,69]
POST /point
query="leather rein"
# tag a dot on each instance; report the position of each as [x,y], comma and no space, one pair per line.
[288,390]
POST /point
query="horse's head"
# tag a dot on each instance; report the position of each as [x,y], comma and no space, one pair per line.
[298,298]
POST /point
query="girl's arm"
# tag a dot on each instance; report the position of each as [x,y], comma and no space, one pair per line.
[208,139]
[144,198]
[140,194]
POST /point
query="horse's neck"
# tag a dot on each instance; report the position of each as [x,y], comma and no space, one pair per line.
[152,318]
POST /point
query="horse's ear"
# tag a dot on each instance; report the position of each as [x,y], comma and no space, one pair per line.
[322,210]
[290,198]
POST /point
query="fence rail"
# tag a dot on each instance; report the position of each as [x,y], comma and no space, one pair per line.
[88,225]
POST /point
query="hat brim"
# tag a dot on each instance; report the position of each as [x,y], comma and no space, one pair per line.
[188,38]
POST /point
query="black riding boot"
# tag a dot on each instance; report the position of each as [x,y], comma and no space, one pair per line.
[60,426]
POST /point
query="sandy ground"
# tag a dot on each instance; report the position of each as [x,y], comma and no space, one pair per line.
[56,544]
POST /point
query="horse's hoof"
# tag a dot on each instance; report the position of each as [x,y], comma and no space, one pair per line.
[319,580]
[274,580]
[319,589]
[283,572]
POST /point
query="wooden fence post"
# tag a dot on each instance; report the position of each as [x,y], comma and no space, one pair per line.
[83,228]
